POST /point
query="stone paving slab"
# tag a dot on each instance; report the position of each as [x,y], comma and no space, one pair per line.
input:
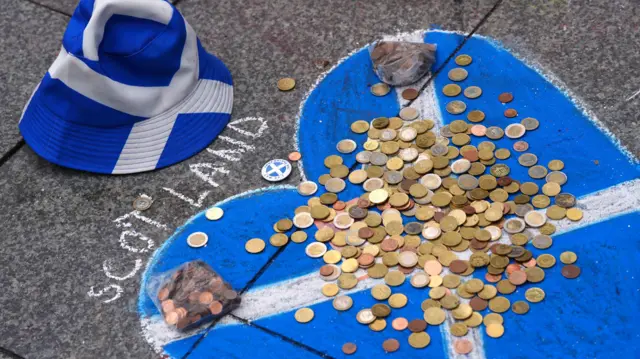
[591,47]
[75,250]
[30,41]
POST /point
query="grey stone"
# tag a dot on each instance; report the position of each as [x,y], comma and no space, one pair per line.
[30,42]
[592,47]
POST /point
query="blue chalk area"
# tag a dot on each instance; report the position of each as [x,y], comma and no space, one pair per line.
[243,341]
[330,329]
[180,348]
[592,316]
[565,133]
[245,217]
[342,98]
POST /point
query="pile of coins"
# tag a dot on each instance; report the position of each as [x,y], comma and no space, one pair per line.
[195,292]
[434,210]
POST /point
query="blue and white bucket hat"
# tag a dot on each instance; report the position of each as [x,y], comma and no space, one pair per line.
[132,90]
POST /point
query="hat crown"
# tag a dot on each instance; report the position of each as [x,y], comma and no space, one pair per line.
[138,57]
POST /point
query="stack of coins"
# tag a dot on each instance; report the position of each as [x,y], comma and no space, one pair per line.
[436,208]
[195,293]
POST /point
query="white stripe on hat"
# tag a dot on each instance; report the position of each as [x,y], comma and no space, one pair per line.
[148,138]
[134,100]
[155,10]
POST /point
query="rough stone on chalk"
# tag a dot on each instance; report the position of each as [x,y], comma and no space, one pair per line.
[402,63]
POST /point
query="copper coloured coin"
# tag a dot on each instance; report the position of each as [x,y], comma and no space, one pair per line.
[400,323]
[570,271]
[410,94]
[458,266]
[520,146]
[478,304]
[491,278]
[505,97]
[295,156]
[510,113]
[518,277]
[326,270]
[390,345]
[478,130]
[349,348]
[417,325]
[463,346]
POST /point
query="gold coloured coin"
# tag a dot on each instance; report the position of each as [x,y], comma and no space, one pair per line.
[574,214]
[398,300]
[463,60]
[360,126]
[551,189]
[546,260]
[534,295]
[378,325]
[304,315]
[434,316]
[568,257]
[286,84]
[555,165]
[499,304]
[332,257]
[330,290]
[394,278]
[475,116]
[298,236]
[255,245]
[458,74]
[459,329]
[492,318]
[378,196]
[495,330]
[474,320]
[556,212]
[278,239]
[451,90]
[381,292]
[419,340]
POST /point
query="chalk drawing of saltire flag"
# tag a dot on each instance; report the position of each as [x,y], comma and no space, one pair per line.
[569,322]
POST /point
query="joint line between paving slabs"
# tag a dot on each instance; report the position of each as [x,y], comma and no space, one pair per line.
[10,353]
[11,152]
[244,290]
[457,49]
[283,337]
[48,7]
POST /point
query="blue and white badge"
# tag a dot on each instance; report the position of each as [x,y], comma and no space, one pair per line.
[276,170]
[131,90]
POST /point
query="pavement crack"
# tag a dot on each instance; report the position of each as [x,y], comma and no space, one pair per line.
[49,8]
[457,49]
[10,353]
[12,151]
[283,337]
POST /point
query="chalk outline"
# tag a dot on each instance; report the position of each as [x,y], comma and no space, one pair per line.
[536,66]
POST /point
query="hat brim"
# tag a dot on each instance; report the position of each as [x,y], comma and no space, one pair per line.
[156,142]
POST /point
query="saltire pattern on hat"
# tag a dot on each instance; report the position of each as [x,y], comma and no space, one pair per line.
[131,90]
